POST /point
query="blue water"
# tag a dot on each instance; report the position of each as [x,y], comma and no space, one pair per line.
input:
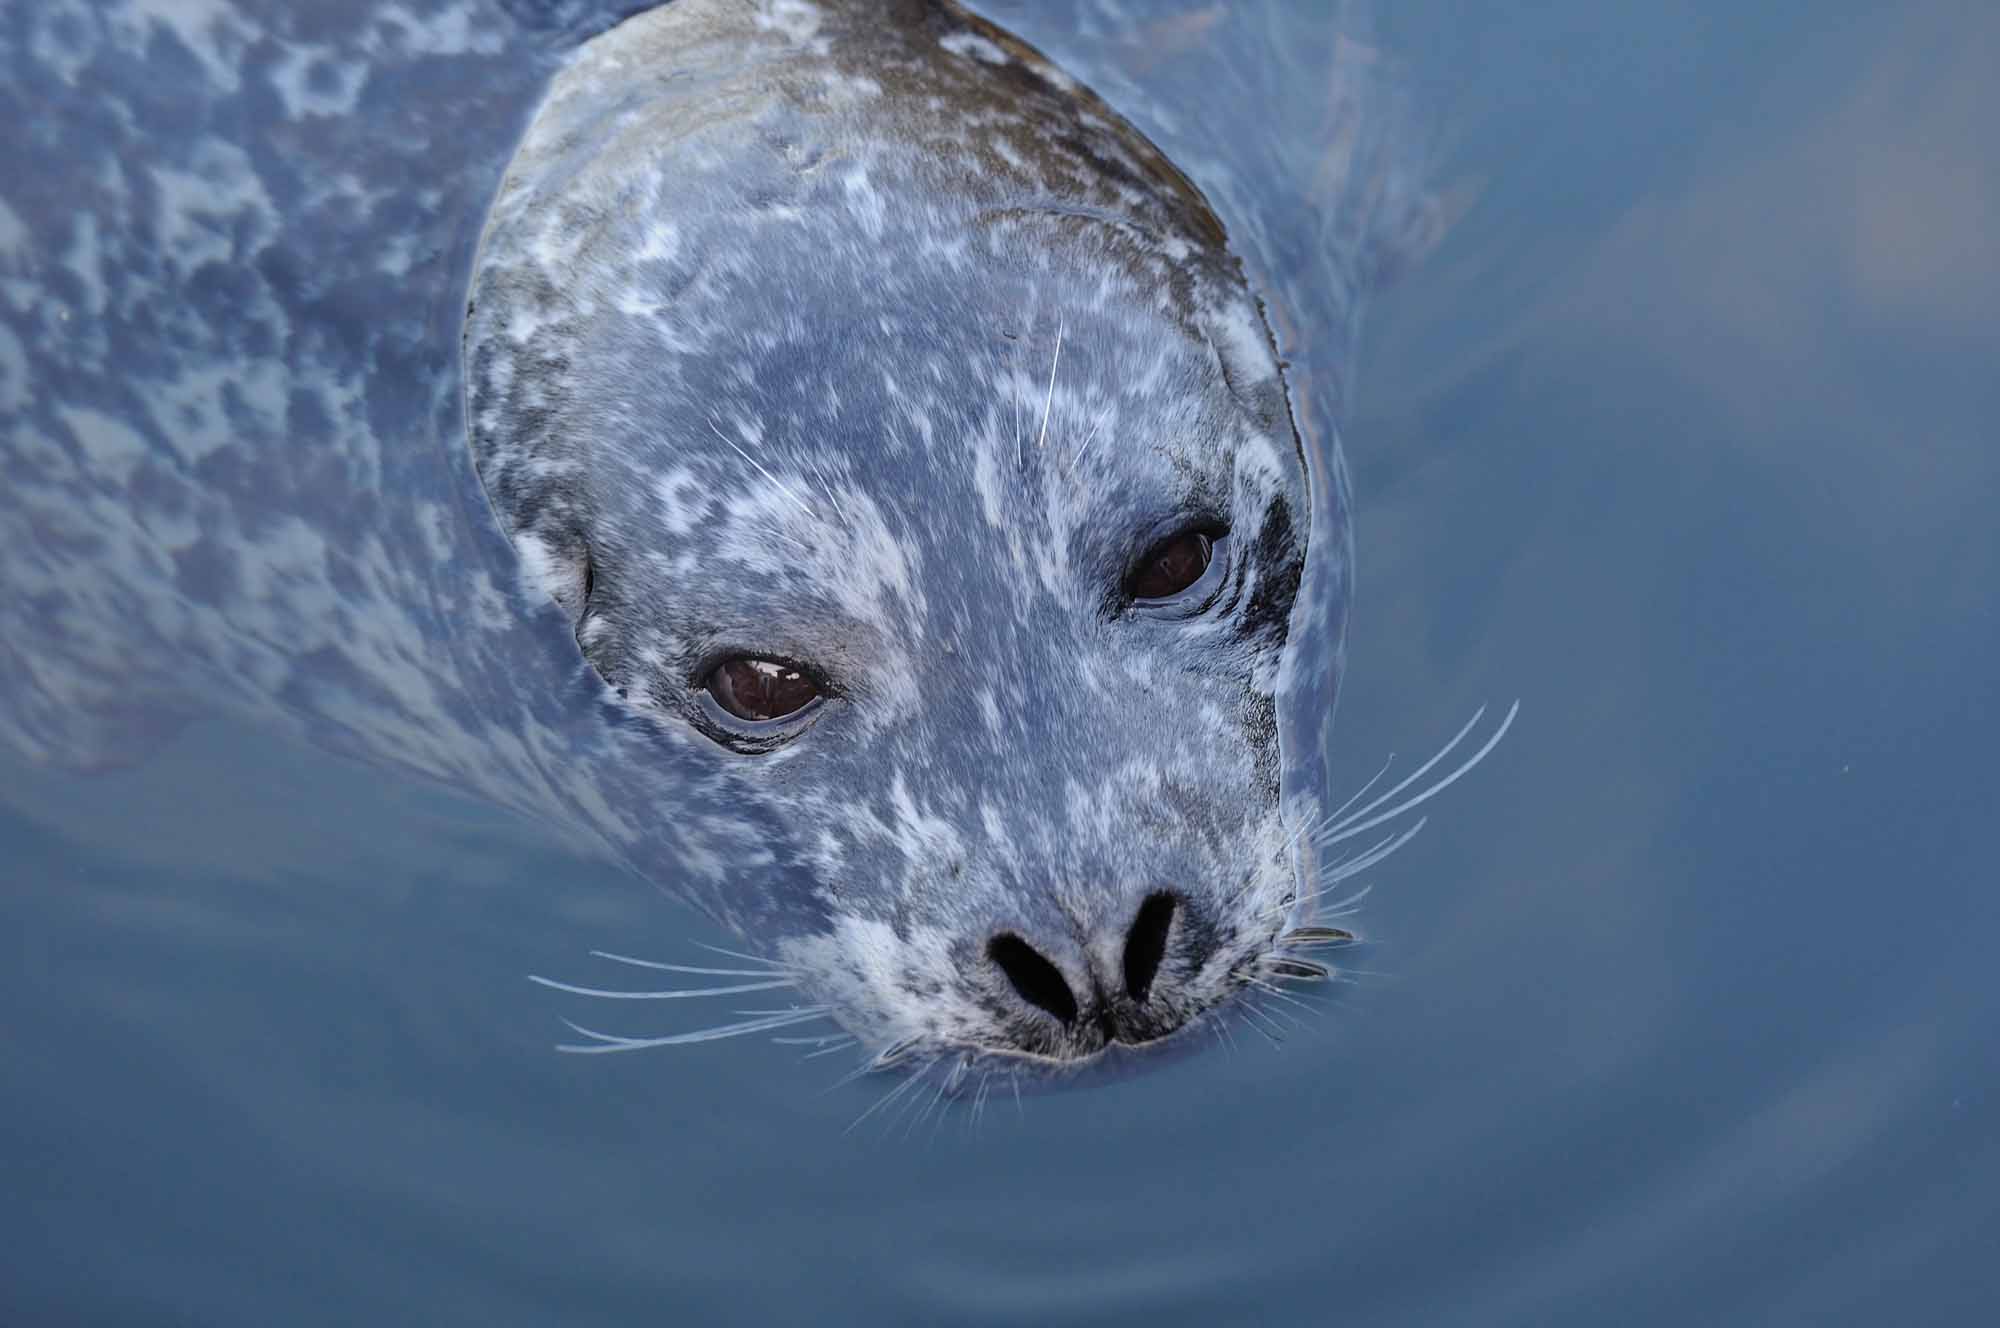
[1680,1011]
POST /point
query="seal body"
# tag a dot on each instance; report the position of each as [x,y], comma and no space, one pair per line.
[852,339]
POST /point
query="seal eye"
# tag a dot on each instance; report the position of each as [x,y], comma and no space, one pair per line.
[1171,566]
[760,689]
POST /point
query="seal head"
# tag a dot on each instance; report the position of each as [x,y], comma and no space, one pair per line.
[901,438]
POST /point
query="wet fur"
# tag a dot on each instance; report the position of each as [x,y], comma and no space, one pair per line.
[795,353]
[882,346]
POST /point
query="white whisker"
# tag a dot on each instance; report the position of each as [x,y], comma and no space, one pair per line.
[1337,872]
[1046,405]
[605,1042]
[788,491]
[1271,990]
[1360,821]
[1340,871]
[1225,1034]
[916,1073]
[827,484]
[1249,1009]
[945,1081]
[684,968]
[980,1099]
[1336,910]
[1089,438]
[688,994]
[1341,908]
[738,954]
[1416,774]
[1333,816]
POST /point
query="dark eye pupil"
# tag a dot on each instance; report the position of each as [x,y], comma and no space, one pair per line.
[757,689]
[1173,566]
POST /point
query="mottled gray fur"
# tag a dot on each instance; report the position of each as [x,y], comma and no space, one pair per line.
[851,334]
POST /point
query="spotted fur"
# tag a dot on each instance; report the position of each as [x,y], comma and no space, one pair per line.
[855,335]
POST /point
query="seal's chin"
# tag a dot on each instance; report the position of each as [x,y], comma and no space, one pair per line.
[975,1072]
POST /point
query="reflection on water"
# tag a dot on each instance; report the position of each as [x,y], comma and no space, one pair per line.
[1680,1011]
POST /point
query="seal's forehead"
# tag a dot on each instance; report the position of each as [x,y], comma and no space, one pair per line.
[892,367]
[726,203]
[835,307]
[960,90]
[770,112]
[721,273]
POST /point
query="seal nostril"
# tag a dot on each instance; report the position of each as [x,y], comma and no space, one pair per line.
[1146,944]
[1039,982]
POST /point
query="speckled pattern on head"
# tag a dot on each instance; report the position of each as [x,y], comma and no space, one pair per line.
[853,335]
[861,338]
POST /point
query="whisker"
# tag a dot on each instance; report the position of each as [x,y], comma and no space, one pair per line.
[613,1042]
[1414,775]
[1362,792]
[1269,990]
[1297,835]
[894,1052]
[1341,908]
[1356,823]
[903,1114]
[683,968]
[604,994]
[788,491]
[1280,1019]
[930,1111]
[979,1097]
[1052,389]
[1247,1009]
[738,954]
[1089,438]
[863,1067]
[1339,871]
[895,1092]
[907,1113]
[888,1057]
[827,485]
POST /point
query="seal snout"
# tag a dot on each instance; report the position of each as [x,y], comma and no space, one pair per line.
[1096,1007]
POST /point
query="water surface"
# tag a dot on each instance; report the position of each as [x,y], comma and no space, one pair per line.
[1679,1011]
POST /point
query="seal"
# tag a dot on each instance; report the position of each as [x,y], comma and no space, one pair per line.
[901,437]
[911,549]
